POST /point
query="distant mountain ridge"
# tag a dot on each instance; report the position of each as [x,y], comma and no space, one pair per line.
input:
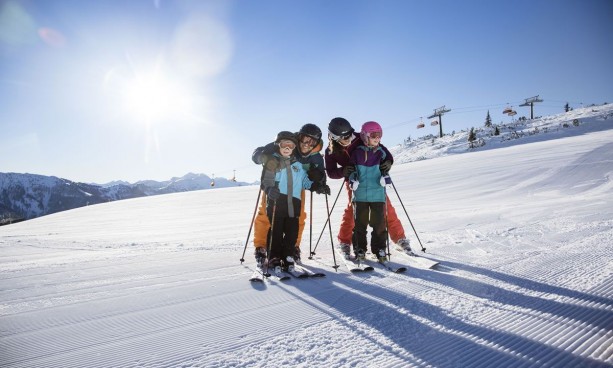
[27,196]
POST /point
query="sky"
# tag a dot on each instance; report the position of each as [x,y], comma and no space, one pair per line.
[131,90]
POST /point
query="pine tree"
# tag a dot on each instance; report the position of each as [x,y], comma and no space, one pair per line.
[488,120]
[471,137]
[566,107]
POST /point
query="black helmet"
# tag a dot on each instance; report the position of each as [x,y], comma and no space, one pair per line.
[338,128]
[311,130]
[285,135]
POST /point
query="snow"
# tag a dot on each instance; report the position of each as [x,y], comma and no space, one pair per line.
[523,232]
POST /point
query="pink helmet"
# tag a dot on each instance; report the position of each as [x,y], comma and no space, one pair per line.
[368,128]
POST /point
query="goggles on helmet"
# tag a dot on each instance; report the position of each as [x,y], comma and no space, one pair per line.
[287,144]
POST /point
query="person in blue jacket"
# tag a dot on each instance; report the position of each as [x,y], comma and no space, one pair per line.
[308,153]
[283,180]
[368,192]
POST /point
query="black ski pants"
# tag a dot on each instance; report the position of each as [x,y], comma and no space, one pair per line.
[373,214]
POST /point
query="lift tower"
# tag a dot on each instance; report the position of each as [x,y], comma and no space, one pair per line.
[439,113]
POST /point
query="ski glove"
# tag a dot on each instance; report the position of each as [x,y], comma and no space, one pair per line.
[385,167]
[348,170]
[320,188]
[385,180]
[273,193]
[315,174]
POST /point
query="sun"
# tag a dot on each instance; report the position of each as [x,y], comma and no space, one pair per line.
[153,97]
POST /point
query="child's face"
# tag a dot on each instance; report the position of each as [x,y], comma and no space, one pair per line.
[307,144]
[374,139]
[286,147]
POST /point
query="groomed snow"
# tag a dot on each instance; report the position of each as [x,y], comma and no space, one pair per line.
[524,234]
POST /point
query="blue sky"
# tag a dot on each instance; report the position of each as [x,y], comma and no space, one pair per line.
[96,91]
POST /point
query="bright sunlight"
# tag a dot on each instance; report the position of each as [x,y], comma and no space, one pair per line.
[152,97]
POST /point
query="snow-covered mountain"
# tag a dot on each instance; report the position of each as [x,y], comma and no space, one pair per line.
[26,196]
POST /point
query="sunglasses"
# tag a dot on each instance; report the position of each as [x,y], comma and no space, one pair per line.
[340,137]
[287,144]
[308,141]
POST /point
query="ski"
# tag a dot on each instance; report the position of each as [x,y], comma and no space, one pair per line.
[298,272]
[257,275]
[389,265]
[354,266]
[415,260]
[279,274]
[309,272]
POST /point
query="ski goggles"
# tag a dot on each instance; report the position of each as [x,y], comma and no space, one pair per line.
[340,137]
[287,144]
[374,135]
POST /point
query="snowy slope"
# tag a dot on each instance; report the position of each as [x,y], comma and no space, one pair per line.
[524,234]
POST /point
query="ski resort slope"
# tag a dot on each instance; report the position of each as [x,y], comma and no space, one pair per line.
[524,235]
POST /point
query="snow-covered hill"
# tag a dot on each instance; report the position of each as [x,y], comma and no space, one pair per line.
[524,235]
[578,121]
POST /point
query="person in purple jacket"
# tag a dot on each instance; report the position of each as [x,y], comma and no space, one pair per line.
[342,142]
[369,192]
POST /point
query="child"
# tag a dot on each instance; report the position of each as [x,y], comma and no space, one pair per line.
[283,180]
[368,193]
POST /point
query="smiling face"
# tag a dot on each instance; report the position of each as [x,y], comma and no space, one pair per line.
[307,144]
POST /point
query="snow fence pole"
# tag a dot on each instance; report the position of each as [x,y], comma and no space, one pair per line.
[257,202]
[327,221]
[272,227]
[410,222]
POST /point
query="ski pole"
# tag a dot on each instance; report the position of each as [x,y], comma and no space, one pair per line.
[410,222]
[311,226]
[272,227]
[330,228]
[257,202]
[387,229]
[327,221]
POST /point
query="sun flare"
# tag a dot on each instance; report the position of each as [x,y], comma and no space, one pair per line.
[153,97]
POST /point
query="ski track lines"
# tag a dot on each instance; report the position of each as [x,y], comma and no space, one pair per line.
[197,323]
[135,325]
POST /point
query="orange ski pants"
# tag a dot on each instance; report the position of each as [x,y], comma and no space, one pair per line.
[262,223]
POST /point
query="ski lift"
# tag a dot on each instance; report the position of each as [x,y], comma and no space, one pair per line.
[434,122]
[420,125]
[213,181]
[512,113]
[507,110]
